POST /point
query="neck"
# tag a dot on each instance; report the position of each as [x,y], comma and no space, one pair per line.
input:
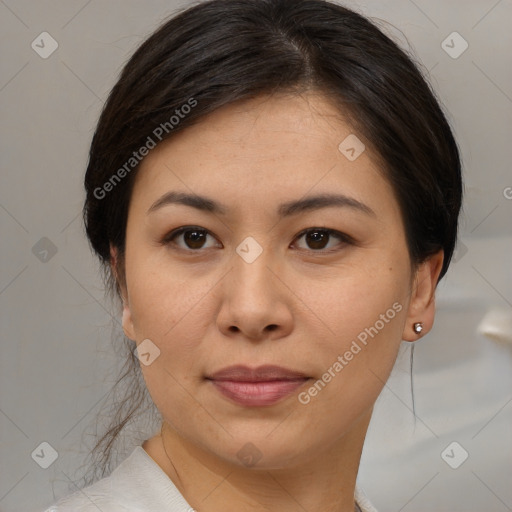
[323,481]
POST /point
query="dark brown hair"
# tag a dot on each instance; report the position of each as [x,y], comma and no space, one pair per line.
[221,51]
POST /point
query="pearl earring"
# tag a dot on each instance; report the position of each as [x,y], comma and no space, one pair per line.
[418,327]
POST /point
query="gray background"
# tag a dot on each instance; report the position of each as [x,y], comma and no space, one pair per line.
[56,352]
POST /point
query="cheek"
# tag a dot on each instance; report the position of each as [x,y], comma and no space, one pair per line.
[363,315]
[168,308]
[356,298]
[173,315]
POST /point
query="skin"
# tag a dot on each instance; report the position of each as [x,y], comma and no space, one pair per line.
[299,305]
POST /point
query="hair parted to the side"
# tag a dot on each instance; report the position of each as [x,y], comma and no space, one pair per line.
[221,51]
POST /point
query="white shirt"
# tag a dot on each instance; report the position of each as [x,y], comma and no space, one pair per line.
[139,484]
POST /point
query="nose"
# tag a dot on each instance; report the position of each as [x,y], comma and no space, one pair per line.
[255,302]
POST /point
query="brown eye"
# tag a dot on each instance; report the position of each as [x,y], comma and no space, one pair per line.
[317,239]
[192,238]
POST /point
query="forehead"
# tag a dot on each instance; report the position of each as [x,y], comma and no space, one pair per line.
[264,148]
[266,127]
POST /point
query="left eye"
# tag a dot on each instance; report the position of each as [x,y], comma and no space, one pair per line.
[317,239]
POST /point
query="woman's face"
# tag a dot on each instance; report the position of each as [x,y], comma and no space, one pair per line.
[247,284]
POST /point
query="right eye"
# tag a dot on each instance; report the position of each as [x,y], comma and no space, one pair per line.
[192,237]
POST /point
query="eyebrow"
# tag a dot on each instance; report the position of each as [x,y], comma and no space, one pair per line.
[284,210]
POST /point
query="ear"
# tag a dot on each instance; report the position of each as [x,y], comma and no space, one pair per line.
[127,321]
[422,307]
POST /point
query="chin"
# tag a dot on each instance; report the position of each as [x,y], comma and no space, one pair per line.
[258,452]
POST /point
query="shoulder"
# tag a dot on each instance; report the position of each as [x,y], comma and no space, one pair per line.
[101,495]
[363,501]
[98,496]
[138,484]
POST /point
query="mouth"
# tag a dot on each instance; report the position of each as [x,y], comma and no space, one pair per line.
[262,386]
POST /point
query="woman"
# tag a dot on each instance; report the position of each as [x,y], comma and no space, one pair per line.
[275,192]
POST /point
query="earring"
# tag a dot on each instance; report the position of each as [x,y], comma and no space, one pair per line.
[418,327]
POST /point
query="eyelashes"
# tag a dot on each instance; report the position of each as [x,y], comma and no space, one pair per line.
[198,235]
[316,238]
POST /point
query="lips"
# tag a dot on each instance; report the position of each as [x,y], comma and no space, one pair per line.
[264,385]
[260,374]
